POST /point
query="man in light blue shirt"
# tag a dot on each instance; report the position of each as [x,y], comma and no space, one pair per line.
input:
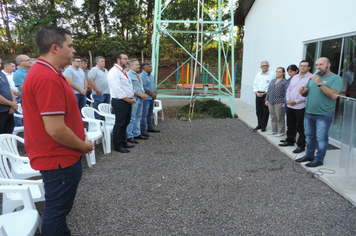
[99,83]
[133,129]
[148,104]
[76,79]
[19,77]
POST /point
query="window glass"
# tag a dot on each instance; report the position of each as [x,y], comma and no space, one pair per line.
[347,73]
[332,50]
[311,55]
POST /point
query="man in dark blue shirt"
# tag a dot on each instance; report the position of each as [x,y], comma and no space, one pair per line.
[8,105]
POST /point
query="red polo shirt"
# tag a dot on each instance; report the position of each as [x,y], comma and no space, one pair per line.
[45,93]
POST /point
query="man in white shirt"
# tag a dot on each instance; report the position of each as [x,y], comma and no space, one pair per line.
[8,70]
[122,94]
[260,87]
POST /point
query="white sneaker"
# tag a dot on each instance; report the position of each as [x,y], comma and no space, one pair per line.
[279,135]
[272,133]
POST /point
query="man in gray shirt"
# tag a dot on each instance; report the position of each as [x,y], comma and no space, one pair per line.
[76,79]
[133,129]
[99,83]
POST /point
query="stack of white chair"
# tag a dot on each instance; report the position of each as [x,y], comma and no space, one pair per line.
[156,109]
[18,129]
[94,134]
[20,166]
[109,122]
[96,125]
[14,171]
[23,222]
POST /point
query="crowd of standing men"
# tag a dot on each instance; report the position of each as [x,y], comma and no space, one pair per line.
[52,92]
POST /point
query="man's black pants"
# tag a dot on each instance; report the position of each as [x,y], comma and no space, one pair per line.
[122,111]
[262,112]
[295,124]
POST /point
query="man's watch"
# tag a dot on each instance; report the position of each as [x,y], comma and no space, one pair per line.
[321,83]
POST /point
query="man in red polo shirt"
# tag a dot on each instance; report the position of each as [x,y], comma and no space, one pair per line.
[54,131]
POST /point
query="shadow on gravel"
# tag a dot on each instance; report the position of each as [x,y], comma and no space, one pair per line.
[207,177]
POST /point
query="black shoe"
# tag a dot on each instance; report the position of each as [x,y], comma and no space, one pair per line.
[304,159]
[285,144]
[145,134]
[132,140]
[140,137]
[263,130]
[314,163]
[299,150]
[257,128]
[129,146]
[282,140]
[122,150]
[153,130]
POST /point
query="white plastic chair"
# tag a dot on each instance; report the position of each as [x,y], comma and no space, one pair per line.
[94,133]
[106,126]
[156,109]
[24,222]
[11,201]
[20,166]
[18,129]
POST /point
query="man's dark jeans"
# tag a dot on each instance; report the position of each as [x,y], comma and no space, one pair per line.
[147,112]
[60,187]
[122,111]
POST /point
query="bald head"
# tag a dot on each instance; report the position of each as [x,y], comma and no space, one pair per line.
[24,61]
[323,64]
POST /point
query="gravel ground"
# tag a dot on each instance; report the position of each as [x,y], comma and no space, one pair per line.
[205,177]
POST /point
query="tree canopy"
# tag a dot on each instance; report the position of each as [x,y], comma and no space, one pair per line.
[102,27]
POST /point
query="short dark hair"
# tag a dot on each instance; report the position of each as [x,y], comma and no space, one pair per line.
[49,35]
[7,63]
[293,68]
[146,63]
[118,55]
[306,62]
[75,58]
[84,60]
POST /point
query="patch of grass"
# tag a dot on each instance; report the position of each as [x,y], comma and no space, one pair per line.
[206,108]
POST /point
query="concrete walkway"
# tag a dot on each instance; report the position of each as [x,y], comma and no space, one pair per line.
[329,172]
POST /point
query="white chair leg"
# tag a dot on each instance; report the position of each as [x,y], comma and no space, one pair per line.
[88,159]
[92,157]
[155,118]
[162,115]
[108,142]
[103,140]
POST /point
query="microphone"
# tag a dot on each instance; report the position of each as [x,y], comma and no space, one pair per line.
[317,71]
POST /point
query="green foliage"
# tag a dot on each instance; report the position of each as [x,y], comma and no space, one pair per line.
[105,26]
[205,107]
[220,112]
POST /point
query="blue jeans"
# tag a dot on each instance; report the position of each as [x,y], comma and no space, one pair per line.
[61,187]
[18,121]
[81,100]
[317,128]
[133,129]
[147,112]
[101,98]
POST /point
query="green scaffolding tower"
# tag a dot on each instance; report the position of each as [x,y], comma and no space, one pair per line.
[222,20]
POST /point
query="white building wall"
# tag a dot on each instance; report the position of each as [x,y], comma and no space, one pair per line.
[276,29]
